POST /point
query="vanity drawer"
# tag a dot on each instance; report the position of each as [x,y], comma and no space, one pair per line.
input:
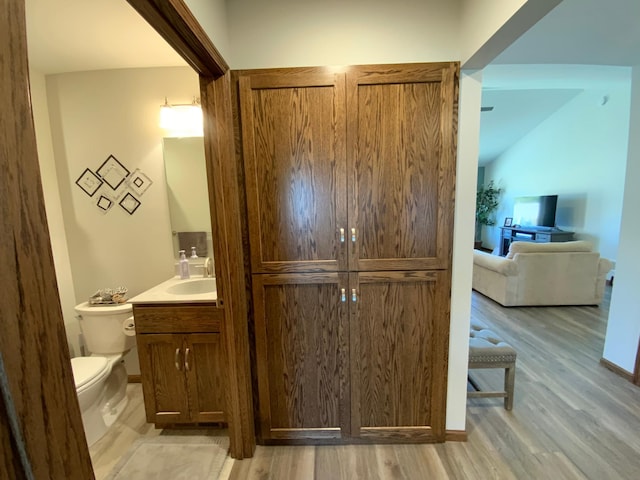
[171,318]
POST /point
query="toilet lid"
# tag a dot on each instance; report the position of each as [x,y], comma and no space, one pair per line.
[87,368]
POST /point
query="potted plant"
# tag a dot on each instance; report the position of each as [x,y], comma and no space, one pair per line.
[486,204]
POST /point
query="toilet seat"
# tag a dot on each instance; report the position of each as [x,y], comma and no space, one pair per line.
[88,371]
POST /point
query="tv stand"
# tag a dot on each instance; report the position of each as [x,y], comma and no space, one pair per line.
[531,234]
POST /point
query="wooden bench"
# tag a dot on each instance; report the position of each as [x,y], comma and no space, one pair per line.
[487,350]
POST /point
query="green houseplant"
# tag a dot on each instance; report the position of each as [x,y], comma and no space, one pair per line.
[486,204]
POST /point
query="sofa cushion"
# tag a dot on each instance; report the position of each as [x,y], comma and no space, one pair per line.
[551,247]
[495,263]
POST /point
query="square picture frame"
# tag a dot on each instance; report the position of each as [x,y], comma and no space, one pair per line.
[112,172]
[104,202]
[508,222]
[138,182]
[89,182]
[129,203]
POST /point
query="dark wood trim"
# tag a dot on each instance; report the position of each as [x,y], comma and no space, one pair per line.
[636,370]
[232,294]
[40,401]
[455,435]
[616,369]
[177,25]
[134,379]
[173,20]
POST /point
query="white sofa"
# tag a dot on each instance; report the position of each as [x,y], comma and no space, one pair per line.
[561,273]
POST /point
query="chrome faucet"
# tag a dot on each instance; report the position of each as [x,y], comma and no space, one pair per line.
[207,269]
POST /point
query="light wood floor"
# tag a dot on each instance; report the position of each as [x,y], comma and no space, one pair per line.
[572,418]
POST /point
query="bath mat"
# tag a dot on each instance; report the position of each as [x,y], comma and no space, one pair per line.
[173,457]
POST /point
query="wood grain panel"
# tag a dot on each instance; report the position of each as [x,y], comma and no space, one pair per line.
[227,212]
[177,318]
[163,384]
[205,380]
[401,153]
[301,354]
[37,381]
[293,144]
[399,328]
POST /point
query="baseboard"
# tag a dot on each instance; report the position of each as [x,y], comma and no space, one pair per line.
[455,435]
[616,369]
[134,379]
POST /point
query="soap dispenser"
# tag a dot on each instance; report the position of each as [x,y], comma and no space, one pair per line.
[184,265]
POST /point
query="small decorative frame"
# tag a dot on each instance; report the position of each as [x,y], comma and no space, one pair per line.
[113,172]
[129,203]
[508,221]
[138,182]
[104,203]
[89,182]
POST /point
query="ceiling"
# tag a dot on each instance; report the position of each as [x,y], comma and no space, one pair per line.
[79,35]
[576,32]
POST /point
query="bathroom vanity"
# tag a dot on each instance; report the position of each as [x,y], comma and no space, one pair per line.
[180,352]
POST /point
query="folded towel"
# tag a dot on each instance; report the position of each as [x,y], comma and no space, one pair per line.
[186,240]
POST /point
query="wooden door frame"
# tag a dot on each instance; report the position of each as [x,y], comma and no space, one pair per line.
[41,433]
[173,20]
[636,370]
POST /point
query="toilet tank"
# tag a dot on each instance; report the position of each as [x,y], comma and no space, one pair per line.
[103,328]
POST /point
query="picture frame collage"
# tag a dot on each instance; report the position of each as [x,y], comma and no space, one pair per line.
[113,183]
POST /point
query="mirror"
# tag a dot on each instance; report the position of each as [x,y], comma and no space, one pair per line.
[186,178]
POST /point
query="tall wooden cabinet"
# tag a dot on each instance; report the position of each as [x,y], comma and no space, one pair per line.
[349,182]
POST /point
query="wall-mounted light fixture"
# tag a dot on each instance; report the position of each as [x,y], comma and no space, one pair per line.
[181,120]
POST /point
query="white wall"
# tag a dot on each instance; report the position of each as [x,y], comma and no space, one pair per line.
[490,26]
[288,33]
[579,153]
[481,20]
[212,15]
[93,115]
[623,329]
[466,176]
[53,208]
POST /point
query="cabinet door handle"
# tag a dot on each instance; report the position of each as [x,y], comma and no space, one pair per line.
[353,235]
[354,295]
[343,294]
[176,359]
[342,235]
[186,359]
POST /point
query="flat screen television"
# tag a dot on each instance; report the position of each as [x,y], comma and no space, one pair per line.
[537,211]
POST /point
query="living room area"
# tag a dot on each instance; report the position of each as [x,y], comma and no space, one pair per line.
[558,120]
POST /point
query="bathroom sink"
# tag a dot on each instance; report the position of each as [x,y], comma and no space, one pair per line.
[193,287]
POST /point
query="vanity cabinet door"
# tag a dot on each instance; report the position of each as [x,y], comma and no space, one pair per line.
[203,367]
[163,378]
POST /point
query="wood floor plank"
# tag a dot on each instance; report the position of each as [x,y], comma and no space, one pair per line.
[572,418]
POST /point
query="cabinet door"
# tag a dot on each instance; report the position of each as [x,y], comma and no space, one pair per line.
[163,380]
[293,129]
[401,147]
[399,338]
[204,365]
[302,360]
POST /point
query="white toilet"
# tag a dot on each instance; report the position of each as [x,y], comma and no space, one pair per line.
[101,379]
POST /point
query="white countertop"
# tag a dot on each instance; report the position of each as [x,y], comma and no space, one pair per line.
[159,294]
